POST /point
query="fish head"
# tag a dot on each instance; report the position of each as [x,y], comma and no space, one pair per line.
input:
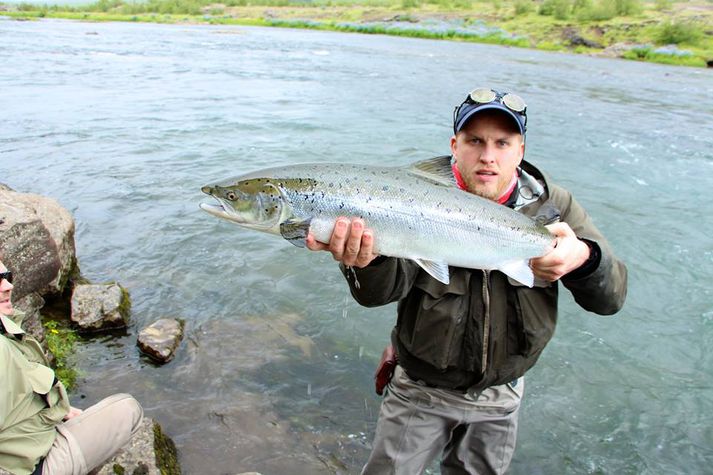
[256,203]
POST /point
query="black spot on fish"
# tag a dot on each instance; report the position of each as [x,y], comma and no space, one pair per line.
[385,188]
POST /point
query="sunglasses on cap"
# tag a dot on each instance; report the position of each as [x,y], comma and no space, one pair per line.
[484,95]
[6,276]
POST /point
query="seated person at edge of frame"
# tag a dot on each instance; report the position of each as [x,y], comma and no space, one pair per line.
[40,433]
[462,349]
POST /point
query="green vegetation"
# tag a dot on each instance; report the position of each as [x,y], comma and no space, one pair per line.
[60,342]
[166,453]
[632,29]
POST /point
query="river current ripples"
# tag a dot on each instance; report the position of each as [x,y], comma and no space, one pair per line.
[123,123]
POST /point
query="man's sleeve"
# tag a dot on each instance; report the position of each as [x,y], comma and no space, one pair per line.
[603,289]
[385,280]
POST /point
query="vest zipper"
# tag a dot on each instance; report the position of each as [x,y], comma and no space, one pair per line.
[486,321]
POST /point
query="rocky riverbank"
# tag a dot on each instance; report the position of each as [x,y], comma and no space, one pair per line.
[37,242]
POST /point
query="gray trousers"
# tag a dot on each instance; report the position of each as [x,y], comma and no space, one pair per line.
[93,437]
[474,433]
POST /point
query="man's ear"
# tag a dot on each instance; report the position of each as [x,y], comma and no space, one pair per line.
[522,151]
[454,141]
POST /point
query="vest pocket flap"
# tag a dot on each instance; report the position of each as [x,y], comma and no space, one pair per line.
[41,378]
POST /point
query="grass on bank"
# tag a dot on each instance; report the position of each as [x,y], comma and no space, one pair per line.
[580,26]
[60,342]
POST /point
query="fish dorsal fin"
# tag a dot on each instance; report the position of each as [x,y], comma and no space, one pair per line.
[437,270]
[437,170]
[519,271]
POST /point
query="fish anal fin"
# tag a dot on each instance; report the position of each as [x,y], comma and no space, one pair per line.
[519,271]
[295,231]
[437,270]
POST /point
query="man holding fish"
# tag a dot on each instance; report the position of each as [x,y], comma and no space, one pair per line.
[464,340]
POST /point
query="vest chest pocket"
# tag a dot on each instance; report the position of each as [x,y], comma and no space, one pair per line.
[437,315]
[532,325]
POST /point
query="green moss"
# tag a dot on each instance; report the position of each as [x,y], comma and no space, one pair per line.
[118,469]
[125,305]
[166,453]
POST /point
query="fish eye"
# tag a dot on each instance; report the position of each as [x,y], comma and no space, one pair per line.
[231,196]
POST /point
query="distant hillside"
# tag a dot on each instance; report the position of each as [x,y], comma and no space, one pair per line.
[663,31]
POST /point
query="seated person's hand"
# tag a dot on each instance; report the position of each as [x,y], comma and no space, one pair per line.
[351,244]
[568,254]
[73,412]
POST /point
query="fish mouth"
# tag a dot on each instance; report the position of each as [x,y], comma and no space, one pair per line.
[220,211]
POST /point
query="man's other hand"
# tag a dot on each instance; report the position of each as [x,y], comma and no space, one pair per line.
[568,254]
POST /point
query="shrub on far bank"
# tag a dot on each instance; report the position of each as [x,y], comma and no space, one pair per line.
[523,7]
[677,32]
[590,10]
[661,5]
[560,9]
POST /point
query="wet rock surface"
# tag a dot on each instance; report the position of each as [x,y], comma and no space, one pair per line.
[161,339]
[97,307]
[149,452]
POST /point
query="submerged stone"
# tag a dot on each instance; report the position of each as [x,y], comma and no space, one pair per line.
[160,340]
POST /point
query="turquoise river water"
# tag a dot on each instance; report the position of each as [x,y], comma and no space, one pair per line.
[123,123]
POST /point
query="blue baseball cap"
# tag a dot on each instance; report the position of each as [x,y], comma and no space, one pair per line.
[483,99]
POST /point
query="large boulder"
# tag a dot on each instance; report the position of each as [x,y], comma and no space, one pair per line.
[37,241]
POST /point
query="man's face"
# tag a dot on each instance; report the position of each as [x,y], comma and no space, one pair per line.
[487,151]
[5,294]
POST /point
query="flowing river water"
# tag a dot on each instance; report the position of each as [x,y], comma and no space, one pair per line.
[123,123]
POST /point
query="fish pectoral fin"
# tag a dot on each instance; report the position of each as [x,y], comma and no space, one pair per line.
[295,231]
[437,270]
[519,271]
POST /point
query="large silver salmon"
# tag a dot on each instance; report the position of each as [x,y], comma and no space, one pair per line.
[415,212]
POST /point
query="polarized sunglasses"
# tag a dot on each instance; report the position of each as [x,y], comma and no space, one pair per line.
[6,276]
[484,95]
